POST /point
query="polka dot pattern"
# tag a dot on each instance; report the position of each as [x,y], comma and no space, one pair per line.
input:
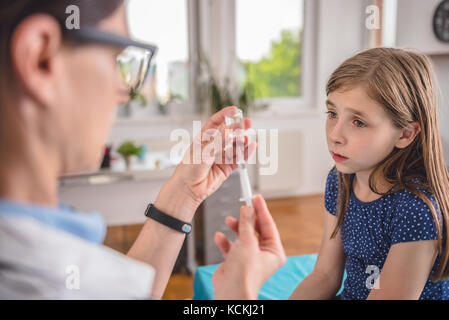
[369,229]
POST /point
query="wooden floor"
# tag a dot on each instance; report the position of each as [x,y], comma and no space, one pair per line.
[299,220]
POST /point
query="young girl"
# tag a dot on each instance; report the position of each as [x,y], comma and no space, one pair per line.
[388,195]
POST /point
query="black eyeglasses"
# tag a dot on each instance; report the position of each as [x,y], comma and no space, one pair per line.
[134,61]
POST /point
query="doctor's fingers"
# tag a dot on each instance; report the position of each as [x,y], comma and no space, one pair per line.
[222,243]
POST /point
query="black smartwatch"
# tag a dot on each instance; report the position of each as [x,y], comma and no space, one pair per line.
[163,218]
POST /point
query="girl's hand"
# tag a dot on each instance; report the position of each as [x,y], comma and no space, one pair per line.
[201,172]
[250,260]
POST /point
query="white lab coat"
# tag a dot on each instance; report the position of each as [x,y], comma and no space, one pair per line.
[39,262]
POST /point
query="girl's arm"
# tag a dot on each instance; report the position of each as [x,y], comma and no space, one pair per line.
[405,271]
[325,279]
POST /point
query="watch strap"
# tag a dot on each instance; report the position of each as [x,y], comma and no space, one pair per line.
[169,221]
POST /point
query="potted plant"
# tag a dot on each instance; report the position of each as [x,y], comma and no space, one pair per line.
[219,95]
[127,150]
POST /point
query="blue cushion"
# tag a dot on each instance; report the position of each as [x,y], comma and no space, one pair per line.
[278,287]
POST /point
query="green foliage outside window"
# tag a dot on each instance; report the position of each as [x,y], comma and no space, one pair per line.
[278,74]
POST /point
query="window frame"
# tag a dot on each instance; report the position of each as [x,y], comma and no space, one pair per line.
[306,102]
[208,18]
[191,106]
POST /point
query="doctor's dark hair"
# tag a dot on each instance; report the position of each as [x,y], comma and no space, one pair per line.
[402,82]
[13,12]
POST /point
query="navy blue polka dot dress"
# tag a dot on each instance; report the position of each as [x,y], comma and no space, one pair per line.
[369,229]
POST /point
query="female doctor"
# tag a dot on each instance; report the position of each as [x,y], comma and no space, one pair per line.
[59,90]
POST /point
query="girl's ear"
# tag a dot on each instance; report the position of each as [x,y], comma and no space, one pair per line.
[408,135]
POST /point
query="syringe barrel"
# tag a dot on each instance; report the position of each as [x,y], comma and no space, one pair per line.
[236,121]
[245,185]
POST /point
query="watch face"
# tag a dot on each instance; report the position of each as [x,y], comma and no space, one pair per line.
[441,21]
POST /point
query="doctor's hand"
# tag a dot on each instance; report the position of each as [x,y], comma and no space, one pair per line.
[204,167]
[250,260]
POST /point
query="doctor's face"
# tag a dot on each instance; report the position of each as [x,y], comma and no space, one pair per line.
[91,90]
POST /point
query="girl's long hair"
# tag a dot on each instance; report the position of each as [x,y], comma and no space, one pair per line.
[402,81]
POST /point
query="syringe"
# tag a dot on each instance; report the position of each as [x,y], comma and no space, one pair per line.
[235,121]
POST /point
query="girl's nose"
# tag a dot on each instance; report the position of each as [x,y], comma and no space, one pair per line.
[336,134]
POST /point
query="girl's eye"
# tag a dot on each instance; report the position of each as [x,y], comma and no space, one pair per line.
[359,123]
[331,114]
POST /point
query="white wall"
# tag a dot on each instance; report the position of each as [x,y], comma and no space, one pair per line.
[414,30]
[414,26]
[441,65]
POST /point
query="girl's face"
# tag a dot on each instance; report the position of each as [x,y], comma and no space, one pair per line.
[359,130]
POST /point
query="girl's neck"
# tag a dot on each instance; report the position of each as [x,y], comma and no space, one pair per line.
[361,189]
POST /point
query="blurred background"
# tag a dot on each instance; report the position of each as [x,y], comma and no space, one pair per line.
[272,58]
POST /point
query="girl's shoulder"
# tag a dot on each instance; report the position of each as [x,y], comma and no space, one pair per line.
[415,194]
[401,200]
[412,218]
[332,179]
[331,191]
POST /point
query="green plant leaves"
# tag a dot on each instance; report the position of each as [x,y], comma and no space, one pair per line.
[128,148]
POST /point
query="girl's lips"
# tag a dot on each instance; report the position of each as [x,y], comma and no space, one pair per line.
[338,158]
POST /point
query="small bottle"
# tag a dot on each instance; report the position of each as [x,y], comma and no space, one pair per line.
[106,162]
[143,153]
[236,123]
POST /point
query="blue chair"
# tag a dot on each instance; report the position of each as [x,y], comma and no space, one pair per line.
[278,287]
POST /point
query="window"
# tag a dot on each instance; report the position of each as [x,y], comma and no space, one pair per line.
[272,41]
[389,17]
[163,23]
[269,41]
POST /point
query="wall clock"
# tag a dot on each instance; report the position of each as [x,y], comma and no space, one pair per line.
[441,21]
